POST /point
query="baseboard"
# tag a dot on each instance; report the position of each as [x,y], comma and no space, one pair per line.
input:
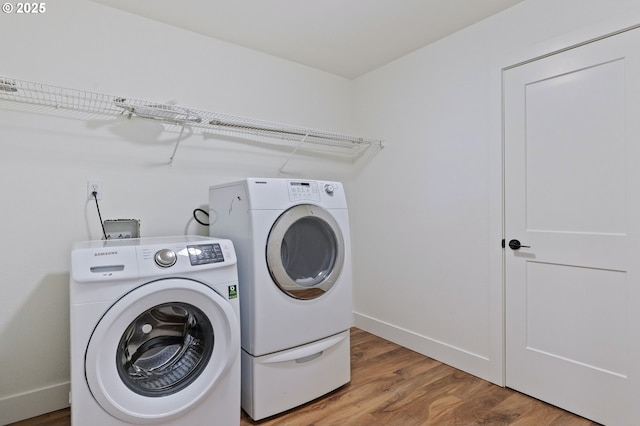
[472,363]
[34,403]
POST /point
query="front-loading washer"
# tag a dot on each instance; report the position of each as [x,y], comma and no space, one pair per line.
[155,332]
[294,264]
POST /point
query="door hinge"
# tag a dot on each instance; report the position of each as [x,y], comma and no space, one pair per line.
[503,241]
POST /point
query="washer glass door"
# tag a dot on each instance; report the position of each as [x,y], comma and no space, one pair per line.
[160,350]
[305,251]
[165,349]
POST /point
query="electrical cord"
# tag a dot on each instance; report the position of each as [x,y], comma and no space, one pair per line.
[196,217]
[95,196]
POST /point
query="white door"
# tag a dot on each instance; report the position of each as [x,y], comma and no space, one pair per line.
[572,193]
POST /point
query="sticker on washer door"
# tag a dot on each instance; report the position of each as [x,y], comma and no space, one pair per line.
[233,292]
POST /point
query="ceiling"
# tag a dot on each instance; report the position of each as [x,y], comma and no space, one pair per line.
[344,37]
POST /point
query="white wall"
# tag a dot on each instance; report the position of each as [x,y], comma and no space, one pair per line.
[47,160]
[426,214]
[425,224]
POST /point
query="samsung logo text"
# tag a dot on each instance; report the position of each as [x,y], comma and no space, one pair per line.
[106,253]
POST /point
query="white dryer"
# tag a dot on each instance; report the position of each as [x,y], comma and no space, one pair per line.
[294,264]
[155,332]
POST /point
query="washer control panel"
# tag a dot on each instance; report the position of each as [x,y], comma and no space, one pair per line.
[205,253]
[301,190]
[200,254]
[94,261]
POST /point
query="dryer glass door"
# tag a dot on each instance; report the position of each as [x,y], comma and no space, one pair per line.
[305,251]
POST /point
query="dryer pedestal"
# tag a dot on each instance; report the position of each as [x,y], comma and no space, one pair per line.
[283,380]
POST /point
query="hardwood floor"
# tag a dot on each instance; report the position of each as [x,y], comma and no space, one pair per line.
[391,385]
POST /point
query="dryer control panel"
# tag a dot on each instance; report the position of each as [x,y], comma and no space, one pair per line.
[303,190]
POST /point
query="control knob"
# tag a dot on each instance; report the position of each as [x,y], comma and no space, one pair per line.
[328,188]
[165,258]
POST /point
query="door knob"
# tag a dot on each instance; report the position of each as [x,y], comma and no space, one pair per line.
[515,245]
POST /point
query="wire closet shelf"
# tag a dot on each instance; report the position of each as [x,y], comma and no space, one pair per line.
[80,101]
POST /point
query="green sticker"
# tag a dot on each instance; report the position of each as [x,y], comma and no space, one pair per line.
[233,292]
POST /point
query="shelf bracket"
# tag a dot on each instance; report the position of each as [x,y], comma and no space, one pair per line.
[175,148]
[293,152]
